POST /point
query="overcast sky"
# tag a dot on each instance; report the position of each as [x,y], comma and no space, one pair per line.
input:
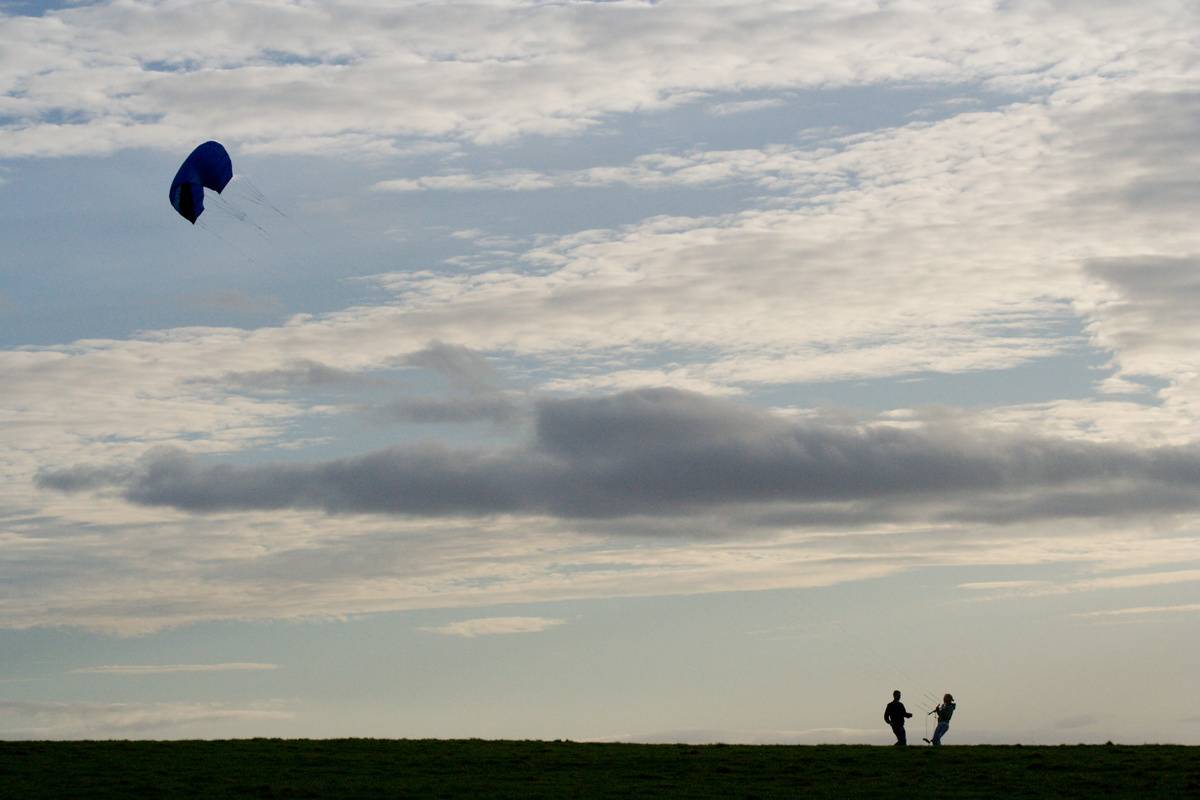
[656,371]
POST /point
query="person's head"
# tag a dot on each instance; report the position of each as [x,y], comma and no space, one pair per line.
[949,698]
[896,694]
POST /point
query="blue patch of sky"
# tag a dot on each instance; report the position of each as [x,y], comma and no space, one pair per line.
[184,65]
[809,116]
[1070,376]
[1072,373]
[73,248]
[91,248]
[64,116]
[38,8]
[802,118]
[274,58]
[290,59]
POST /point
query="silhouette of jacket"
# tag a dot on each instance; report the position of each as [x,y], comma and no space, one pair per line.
[895,714]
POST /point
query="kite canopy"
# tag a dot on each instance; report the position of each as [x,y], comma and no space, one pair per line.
[208,165]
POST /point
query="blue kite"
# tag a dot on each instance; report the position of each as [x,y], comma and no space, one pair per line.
[207,166]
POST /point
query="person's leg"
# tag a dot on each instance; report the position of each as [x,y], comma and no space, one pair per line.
[938,732]
[901,740]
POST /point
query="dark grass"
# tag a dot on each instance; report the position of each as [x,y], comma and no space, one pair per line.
[381,768]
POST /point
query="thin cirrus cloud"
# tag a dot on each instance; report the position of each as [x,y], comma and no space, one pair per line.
[1120,612]
[161,669]
[81,720]
[488,626]
[777,167]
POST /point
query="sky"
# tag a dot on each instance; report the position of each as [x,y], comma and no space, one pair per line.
[610,371]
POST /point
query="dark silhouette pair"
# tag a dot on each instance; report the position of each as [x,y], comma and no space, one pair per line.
[895,714]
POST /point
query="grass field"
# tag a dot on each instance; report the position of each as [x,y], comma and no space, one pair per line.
[380,768]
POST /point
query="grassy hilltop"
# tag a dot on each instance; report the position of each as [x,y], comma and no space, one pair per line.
[378,768]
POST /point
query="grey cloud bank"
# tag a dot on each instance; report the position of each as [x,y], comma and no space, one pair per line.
[665,451]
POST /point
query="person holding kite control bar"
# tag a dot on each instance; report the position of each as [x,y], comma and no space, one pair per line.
[944,712]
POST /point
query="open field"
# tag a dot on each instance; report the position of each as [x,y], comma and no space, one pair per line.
[378,768]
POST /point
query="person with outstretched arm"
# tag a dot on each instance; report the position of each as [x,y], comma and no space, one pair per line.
[944,712]
[895,715]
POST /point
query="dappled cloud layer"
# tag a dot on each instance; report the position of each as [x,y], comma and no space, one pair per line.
[942,312]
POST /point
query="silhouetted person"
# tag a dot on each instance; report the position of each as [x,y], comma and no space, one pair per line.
[895,715]
[944,712]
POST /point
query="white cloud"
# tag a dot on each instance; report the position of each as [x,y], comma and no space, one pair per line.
[487,626]
[743,106]
[1081,721]
[1138,580]
[1134,580]
[1140,610]
[82,720]
[359,76]
[131,578]
[158,669]
[999,585]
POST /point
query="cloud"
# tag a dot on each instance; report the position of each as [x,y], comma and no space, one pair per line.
[873,278]
[83,720]
[496,625]
[1001,585]
[1051,216]
[158,669]
[511,181]
[131,571]
[743,106]
[1081,721]
[302,373]
[495,409]
[1134,580]
[464,368]
[1151,320]
[663,452]
[777,167]
[851,277]
[357,77]
[1137,580]
[1139,610]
